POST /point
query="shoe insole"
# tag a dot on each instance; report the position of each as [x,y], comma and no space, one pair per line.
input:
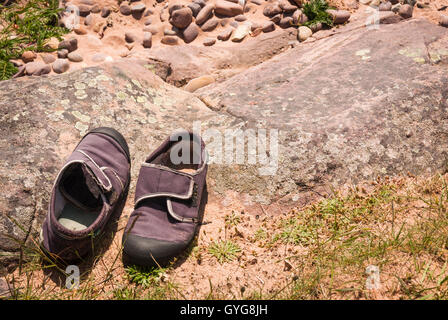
[76,219]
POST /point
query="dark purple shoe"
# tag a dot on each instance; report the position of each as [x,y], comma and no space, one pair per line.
[90,188]
[168,198]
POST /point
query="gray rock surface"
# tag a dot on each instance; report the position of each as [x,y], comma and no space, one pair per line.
[344,106]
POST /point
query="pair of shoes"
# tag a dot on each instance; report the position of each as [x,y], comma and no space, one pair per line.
[92,187]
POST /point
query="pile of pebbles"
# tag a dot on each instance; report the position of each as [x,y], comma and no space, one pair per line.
[174,22]
[33,64]
[184,22]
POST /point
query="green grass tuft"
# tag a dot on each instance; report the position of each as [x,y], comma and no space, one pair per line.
[7,70]
[316,12]
[144,276]
[224,251]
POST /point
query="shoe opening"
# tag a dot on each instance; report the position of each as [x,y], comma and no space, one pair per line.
[79,200]
[184,156]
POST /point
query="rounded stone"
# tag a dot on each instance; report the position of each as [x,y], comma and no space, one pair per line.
[147,40]
[204,14]
[125,10]
[268,26]
[138,8]
[304,33]
[79,29]
[95,9]
[37,68]
[195,8]
[339,16]
[276,19]
[285,22]
[52,43]
[190,33]
[84,10]
[298,17]
[28,56]
[240,18]
[316,27]
[153,29]
[200,2]
[286,6]
[182,18]
[396,7]
[48,58]
[63,53]
[88,21]
[75,57]
[225,35]
[385,6]
[210,25]
[169,32]
[226,8]
[70,44]
[405,11]
[272,10]
[105,12]
[209,42]
[60,66]
[173,7]
[170,40]
[443,21]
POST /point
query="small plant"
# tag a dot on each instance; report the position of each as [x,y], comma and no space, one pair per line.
[260,234]
[127,293]
[144,276]
[224,251]
[232,219]
[316,11]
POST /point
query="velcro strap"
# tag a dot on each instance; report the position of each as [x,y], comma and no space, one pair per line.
[156,181]
[102,179]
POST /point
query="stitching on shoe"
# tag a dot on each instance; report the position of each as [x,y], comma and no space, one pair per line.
[168,194]
[177,217]
[116,176]
[107,188]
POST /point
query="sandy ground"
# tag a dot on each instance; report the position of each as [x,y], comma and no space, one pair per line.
[266,269]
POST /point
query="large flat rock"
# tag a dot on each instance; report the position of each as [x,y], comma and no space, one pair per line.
[350,107]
